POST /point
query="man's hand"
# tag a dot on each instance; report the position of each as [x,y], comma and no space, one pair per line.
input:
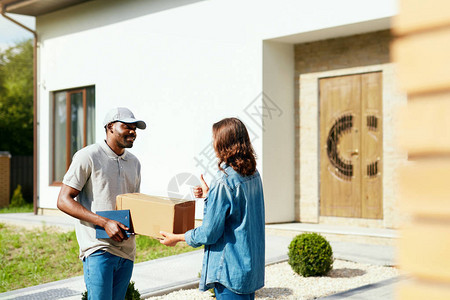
[115,230]
[66,203]
[170,239]
[201,191]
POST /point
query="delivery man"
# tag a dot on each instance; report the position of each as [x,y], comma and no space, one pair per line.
[97,174]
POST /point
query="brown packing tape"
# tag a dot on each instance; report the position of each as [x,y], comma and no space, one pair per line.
[183,222]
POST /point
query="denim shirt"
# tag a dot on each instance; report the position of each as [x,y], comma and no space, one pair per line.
[233,233]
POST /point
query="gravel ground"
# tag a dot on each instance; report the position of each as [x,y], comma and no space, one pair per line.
[283,283]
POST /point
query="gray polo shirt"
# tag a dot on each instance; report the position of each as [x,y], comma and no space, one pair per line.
[100,175]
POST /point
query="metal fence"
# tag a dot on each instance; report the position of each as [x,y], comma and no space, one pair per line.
[22,173]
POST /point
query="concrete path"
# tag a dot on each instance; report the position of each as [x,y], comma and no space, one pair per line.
[164,275]
[383,290]
[29,220]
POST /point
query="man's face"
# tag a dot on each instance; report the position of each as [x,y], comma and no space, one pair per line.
[124,134]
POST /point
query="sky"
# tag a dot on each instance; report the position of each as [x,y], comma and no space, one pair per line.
[11,34]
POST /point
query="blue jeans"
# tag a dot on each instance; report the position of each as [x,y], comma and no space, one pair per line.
[106,276]
[222,293]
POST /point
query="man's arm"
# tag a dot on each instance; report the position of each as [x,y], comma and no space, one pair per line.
[68,204]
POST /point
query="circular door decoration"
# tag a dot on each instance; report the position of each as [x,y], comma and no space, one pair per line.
[372,125]
[343,167]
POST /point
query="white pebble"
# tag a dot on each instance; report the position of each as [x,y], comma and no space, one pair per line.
[283,283]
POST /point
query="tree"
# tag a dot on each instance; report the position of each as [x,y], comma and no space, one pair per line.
[16,99]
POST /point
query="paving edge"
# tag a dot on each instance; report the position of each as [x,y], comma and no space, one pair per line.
[38,287]
[364,288]
[193,283]
[169,288]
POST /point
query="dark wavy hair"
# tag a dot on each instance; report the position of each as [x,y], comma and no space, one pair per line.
[233,147]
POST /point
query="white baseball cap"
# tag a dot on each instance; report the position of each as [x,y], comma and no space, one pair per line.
[124,115]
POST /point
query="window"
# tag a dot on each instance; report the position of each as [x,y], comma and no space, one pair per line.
[73,126]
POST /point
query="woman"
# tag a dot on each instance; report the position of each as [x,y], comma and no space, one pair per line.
[233,223]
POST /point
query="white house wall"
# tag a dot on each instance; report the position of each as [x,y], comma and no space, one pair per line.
[278,130]
[181,67]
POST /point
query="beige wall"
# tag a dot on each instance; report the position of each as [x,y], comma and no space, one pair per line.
[337,57]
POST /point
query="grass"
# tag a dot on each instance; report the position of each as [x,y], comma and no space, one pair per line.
[22,209]
[31,257]
[148,249]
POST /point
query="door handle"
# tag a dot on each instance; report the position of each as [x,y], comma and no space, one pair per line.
[355,152]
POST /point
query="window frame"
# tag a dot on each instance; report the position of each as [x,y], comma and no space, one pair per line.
[68,130]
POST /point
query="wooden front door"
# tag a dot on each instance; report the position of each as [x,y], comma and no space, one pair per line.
[351,146]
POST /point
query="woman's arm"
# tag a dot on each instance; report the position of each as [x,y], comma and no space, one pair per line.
[217,208]
[213,225]
[171,239]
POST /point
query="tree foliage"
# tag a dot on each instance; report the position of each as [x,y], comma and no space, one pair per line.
[16,99]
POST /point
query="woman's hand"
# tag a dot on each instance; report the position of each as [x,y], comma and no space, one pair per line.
[201,191]
[170,239]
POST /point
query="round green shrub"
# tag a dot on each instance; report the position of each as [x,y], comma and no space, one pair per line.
[310,254]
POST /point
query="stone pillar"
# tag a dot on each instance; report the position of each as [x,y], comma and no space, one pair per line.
[421,50]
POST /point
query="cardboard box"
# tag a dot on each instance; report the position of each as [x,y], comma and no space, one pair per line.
[152,214]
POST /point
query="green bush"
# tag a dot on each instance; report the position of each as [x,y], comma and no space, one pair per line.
[17,199]
[132,293]
[310,254]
